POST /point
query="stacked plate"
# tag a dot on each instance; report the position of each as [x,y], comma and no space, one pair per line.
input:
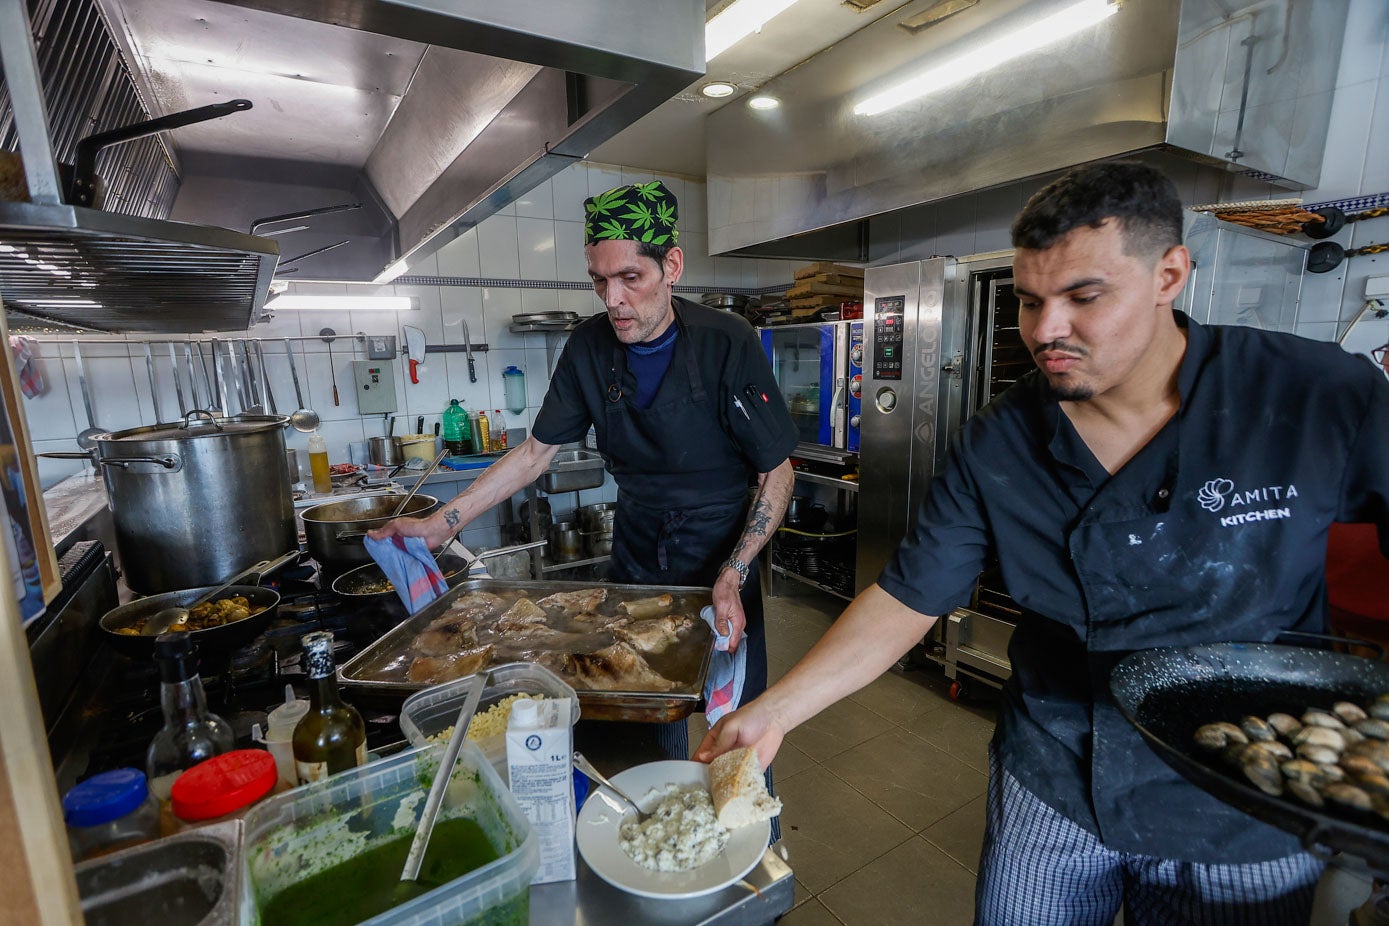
[543,321]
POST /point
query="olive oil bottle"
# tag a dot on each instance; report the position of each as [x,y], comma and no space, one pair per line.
[331,737]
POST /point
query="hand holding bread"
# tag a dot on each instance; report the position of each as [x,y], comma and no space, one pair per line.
[738,789]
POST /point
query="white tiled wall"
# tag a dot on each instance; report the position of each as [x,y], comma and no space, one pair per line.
[538,237]
[1356,163]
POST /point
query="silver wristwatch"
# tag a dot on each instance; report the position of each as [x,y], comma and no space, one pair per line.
[739,567]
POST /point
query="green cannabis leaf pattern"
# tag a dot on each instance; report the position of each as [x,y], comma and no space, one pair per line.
[644,212]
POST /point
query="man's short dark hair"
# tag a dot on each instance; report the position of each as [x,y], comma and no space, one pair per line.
[656,252]
[1139,197]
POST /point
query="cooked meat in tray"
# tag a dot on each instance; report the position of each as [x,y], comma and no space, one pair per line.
[632,652]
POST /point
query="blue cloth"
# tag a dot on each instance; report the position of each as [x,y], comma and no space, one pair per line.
[650,361]
[410,566]
[1041,869]
[723,689]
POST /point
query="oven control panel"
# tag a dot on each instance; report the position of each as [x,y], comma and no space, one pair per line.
[887,336]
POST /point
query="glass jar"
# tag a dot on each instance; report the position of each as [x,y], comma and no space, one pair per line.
[108,812]
[222,788]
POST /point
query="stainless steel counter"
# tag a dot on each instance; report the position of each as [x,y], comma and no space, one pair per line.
[590,901]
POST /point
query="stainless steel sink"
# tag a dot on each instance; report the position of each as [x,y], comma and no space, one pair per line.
[183,880]
[571,470]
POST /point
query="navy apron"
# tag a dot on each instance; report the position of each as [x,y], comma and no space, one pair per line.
[682,497]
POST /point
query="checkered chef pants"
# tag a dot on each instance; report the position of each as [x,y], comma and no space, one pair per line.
[1040,869]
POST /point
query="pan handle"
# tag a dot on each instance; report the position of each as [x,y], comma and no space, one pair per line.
[1332,640]
[349,536]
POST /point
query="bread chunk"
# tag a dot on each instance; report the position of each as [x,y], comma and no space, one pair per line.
[739,790]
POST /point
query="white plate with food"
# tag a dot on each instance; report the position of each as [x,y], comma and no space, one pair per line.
[599,837]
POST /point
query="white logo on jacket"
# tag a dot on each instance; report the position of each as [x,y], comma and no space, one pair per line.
[1219,494]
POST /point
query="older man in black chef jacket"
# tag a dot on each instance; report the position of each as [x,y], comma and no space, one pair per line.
[687,415]
[1154,482]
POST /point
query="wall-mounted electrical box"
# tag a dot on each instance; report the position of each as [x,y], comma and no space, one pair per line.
[375,381]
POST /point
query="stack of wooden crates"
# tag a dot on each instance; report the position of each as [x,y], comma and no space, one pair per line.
[824,285]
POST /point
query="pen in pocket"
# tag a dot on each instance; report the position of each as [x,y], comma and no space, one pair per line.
[739,405]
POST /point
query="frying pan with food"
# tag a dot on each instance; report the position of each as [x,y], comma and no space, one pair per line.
[1168,693]
[264,603]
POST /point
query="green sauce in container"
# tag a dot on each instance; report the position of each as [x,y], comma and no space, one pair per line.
[369,884]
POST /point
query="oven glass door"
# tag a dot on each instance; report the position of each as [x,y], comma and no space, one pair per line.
[803,362]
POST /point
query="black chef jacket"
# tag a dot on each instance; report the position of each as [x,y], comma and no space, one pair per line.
[1214,531]
[731,365]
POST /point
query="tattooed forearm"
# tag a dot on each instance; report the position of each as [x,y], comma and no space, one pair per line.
[451,517]
[769,504]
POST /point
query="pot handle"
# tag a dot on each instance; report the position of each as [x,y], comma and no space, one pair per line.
[1330,640]
[349,536]
[166,462]
[187,424]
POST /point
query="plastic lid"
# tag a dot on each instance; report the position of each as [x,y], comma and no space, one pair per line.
[224,784]
[525,713]
[287,716]
[105,797]
[511,370]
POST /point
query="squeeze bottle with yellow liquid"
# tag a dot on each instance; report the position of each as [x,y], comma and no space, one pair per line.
[318,464]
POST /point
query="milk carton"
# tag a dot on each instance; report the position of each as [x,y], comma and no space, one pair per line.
[539,756]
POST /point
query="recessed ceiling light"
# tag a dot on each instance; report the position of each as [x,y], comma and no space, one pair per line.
[762,101]
[717,89]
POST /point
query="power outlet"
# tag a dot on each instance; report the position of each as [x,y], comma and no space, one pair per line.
[381,347]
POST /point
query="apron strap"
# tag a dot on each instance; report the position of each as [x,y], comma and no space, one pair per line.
[617,372]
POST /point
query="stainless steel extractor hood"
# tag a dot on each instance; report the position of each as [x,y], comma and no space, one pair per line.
[431,114]
[1245,85]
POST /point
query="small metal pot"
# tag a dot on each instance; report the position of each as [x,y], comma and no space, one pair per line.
[566,545]
[292,465]
[598,518]
[333,532]
[383,451]
[420,446]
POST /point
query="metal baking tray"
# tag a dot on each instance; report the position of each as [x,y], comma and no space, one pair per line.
[379,670]
[531,318]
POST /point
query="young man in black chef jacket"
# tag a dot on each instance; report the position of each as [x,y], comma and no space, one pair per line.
[1155,482]
[687,414]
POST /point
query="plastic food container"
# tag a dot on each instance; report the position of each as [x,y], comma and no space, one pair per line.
[297,834]
[108,812]
[434,710]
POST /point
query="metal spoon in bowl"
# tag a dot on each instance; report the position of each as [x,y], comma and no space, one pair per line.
[592,773]
[435,799]
[166,618]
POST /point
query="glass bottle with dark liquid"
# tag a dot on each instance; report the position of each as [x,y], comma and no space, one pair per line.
[331,737]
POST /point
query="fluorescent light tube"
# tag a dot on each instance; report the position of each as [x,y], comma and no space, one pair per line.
[391,272]
[1011,45]
[302,303]
[737,21]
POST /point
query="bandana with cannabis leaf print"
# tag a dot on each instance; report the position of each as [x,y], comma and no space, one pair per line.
[643,212]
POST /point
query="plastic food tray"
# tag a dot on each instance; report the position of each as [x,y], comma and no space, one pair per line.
[301,832]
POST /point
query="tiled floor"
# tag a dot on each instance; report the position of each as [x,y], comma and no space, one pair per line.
[883,792]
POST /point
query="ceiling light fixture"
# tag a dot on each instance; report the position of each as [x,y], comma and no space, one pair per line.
[737,21]
[305,303]
[762,101]
[1011,45]
[717,89]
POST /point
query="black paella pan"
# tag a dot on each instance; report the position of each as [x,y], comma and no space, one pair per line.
[210,640]
[1168,693]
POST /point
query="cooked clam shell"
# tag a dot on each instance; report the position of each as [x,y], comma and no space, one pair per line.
[1380,708]
[1376,751]
[1216,736]
[1305,793]
[1322,755]
[1257,729]
[1349,713]
[1347,795]
[1374,728]
[1319,718]
[1302,770]
[1360,765]
[1261,768]
[1286,724]
[1279,751]
[1320,736]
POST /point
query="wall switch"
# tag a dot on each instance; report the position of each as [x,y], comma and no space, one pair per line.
[381,347]
[375,384]
[1376,286]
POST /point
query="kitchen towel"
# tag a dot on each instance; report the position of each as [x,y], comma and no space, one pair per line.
[723,689]
[30,379]
[407,562]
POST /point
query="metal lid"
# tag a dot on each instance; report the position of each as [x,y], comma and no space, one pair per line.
[199,424]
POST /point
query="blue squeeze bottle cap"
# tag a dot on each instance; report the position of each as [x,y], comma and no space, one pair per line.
[105,797]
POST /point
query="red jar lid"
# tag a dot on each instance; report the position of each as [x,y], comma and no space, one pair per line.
[223,784]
